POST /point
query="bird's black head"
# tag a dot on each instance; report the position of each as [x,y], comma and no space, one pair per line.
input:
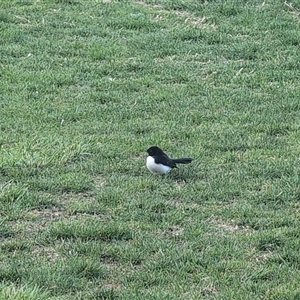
[154,150]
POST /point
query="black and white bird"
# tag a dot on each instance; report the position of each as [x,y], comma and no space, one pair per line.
[159,162]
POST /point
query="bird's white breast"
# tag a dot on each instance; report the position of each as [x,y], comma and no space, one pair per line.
[156,168]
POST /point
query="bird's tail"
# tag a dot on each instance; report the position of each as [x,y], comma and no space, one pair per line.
[182,160]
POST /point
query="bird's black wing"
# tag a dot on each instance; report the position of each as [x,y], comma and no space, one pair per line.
[165,160]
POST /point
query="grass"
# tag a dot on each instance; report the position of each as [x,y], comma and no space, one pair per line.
[87,87]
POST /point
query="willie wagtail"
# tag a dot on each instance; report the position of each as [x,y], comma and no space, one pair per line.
[159,162]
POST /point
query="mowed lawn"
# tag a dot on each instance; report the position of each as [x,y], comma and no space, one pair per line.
[87,86]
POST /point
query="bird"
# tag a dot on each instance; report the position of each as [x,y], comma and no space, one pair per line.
[158,162]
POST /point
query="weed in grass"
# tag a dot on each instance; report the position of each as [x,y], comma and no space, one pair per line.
[23,292]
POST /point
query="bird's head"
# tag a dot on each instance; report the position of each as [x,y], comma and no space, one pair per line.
[154,150]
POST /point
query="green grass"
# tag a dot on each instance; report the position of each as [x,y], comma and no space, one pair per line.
[87,87]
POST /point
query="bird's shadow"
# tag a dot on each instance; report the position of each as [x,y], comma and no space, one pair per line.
[183,174]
